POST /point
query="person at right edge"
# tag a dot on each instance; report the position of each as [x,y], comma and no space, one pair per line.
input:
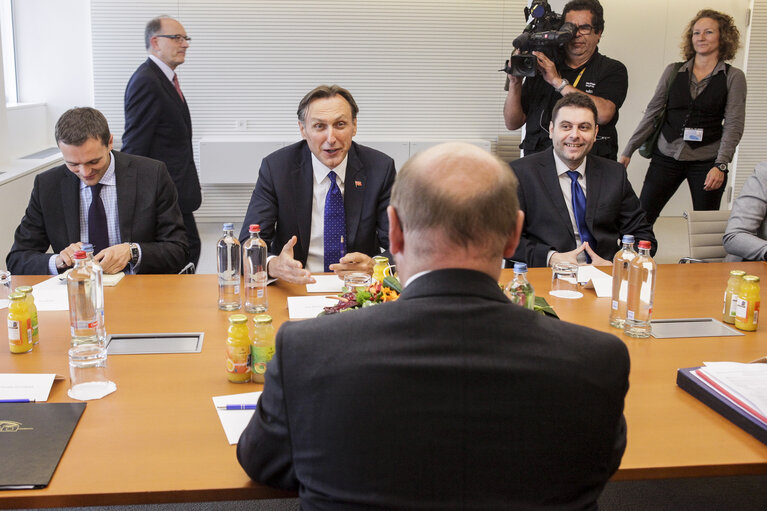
[605,80]
[705,104]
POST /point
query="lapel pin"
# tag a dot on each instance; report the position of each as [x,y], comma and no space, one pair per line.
[358,184]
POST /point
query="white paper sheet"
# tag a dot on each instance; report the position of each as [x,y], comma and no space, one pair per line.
[325,284]
[3,303]
[51,295]
[304,307]
[25,386]
[234,421]
[600,281]
[748,381]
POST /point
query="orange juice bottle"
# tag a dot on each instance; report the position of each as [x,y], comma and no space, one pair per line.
[381,262]
[238,349]
[262,349]
[19,324]
[747,316]
[27,290]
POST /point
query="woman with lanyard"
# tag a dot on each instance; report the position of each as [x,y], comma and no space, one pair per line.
[701,106]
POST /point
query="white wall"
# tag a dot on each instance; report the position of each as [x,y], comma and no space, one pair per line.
[54,56]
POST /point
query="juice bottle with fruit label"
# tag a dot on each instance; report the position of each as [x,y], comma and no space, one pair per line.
[747,315]
[27,290]
[262,349]
[238,349]
[19,324]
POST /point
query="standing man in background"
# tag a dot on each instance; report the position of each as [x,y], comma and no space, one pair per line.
[584,69]
[157,121]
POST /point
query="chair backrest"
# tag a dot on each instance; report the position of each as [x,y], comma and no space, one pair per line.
[704,234]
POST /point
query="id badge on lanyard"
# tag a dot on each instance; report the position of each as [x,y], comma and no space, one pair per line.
[693,134]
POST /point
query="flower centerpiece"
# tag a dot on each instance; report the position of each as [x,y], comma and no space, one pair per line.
[365,296]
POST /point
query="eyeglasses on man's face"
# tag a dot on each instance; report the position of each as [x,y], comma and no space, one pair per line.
[176,37]
[585,29]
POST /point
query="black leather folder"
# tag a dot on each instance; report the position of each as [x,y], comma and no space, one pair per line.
[33,437]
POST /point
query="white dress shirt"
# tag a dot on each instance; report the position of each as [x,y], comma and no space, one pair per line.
[165,68]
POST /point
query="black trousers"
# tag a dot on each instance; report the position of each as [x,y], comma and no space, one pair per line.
[192,237]
[663,178]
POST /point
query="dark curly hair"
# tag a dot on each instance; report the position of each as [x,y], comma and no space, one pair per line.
[729,36]
[597,13]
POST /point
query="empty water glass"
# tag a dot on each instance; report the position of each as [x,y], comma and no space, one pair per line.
[564,281]
[88,372]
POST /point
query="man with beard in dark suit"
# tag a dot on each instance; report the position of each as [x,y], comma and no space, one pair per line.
[450,397]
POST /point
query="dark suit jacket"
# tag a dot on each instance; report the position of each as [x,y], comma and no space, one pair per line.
[158,126]
[146,206]
[612,208]
[282,200]
[440,399]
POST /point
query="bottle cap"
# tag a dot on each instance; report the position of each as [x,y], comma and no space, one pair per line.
[237,318]
[645,244]
[262,319]
[17,296]
[737,273]
[520,268]
[87,247]
[229,227]
[254,228]
[23,289]
[80,254]
[751,278]
[628,238]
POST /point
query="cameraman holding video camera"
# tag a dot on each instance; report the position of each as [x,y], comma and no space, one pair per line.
[584,70]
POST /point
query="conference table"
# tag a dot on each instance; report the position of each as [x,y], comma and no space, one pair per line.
[159,439]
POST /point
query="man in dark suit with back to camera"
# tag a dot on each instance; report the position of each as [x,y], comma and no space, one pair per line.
[124,205]
[450,397]
[157,121]
[577,206]
[321,203]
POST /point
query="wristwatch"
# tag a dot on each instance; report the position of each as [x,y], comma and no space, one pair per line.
[133,253]
[722,167]
[562,85]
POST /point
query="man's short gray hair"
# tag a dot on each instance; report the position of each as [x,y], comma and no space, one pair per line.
[326,91]
[152,28]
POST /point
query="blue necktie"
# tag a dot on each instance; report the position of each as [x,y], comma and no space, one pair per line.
[98,233]
[334,232]
[579,210]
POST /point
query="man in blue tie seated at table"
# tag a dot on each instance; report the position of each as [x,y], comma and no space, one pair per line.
[450,397]
[321,203]
[124,205]
[577,206]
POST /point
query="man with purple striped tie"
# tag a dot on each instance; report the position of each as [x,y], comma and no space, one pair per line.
[577,205]
[124,205]
[321,203]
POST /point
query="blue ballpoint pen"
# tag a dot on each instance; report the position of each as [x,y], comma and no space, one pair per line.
[237,407]
[17,400]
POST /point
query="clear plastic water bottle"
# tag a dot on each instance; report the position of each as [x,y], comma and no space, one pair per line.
[229,263]
[82,291]
[254,254]
[641,291]
[621,263]
[519,290]
[96,267]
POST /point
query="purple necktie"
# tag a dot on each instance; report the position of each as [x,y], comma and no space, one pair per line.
[334,232]
[177,86]
[579,211]
[98,233]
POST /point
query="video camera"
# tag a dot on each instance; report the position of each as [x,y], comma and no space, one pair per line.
[546,32]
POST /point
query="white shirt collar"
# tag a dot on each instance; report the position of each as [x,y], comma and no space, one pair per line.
[108,178]
[563,168]
[165,68]
[321,170]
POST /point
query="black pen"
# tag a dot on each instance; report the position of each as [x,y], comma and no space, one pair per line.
[237,407]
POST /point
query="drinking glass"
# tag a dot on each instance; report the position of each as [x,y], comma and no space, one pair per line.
[564,281]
